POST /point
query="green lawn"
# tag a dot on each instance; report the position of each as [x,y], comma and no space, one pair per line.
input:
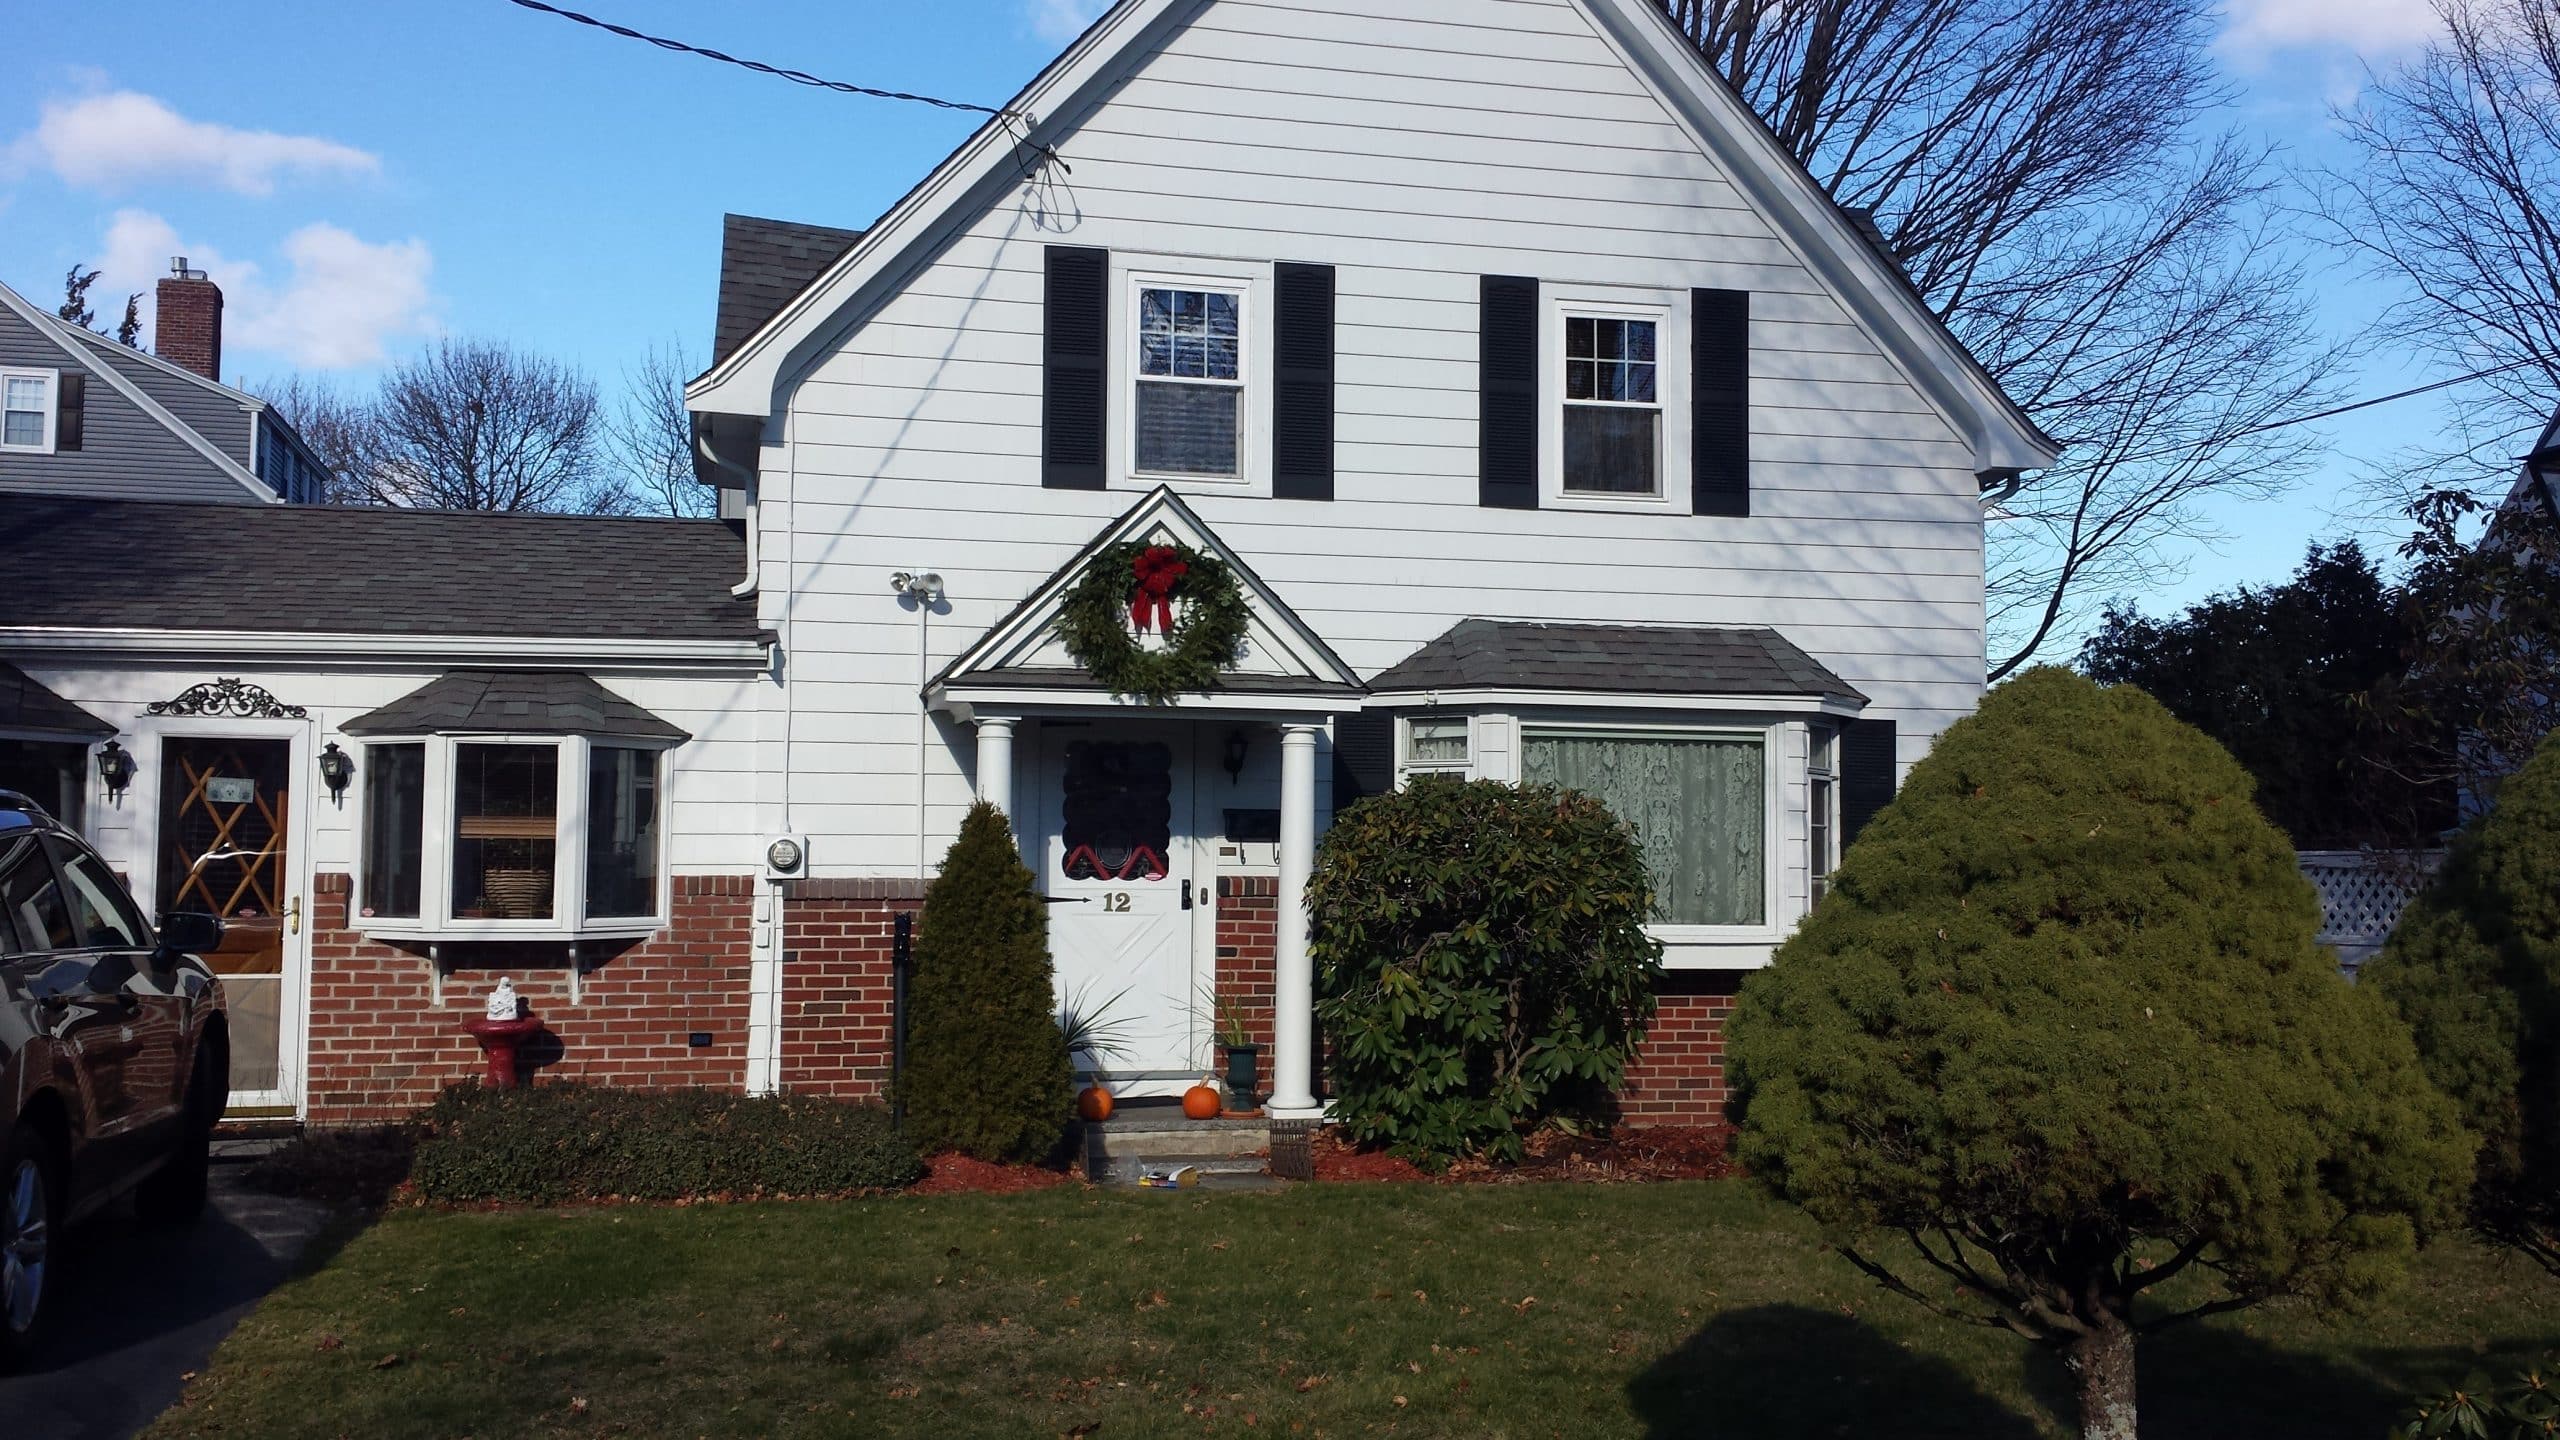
[1668,1310]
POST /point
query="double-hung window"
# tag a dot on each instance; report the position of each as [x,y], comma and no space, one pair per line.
[1697,800]
[1437,745]
[1612,404]
[1190,369]
[508,835]
[26,410]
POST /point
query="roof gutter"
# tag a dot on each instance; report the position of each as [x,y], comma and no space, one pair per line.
[573,649]
[707,453]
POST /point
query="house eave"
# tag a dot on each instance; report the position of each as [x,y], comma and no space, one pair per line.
[1493,698]
[319,645]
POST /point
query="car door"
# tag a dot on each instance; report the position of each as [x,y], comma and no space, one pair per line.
[125,975]
[48,965]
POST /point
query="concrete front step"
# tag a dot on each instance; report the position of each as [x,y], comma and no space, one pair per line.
[1130,1169]
[1120,1150]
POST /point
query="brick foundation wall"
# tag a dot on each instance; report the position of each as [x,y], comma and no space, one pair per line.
[380,1046]
[837,986]
[1248,928]
[1678,1075]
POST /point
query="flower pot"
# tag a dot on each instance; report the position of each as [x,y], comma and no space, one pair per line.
[1244,1074]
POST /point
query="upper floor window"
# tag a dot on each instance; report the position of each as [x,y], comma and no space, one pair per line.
[1615,388]
[26,410]
[1190,378]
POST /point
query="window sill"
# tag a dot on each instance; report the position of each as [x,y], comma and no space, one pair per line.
[1605,500]
[503,932]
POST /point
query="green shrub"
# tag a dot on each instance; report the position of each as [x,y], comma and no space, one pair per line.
[2475,969]
[546,1144]
[987,1069]
[2481,1408]
[1481,963]
[2066,1006]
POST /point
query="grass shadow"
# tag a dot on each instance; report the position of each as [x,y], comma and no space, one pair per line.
[2214,1382]
[1785,1372]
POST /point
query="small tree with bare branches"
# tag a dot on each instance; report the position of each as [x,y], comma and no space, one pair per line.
[650,436]
[478,425]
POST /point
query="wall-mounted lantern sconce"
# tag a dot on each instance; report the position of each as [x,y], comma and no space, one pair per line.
[1236,749]
[337,767]
[115,769]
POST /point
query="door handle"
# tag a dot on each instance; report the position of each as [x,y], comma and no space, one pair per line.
[1186,894]
[293,916]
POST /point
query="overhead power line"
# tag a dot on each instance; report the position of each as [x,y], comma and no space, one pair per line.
[2336,410]
[796,77]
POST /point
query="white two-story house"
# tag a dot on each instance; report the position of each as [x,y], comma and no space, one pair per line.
[1518,404]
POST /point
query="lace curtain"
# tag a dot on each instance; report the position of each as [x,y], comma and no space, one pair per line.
[1699,807]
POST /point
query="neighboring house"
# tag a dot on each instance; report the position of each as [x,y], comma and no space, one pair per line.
[1554,425]
[83,415]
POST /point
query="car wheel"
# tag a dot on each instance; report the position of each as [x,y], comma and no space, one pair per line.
[30,1187]
[175,1193]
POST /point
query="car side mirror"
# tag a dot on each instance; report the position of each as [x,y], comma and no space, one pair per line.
[189,932]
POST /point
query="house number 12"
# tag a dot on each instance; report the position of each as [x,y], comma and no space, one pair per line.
[1116,900]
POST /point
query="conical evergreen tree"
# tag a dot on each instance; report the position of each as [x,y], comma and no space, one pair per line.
[987,1070]
[2475,969]
[2066,1007]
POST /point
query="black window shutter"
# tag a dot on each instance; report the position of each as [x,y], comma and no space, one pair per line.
[1507,386]
[1075,368]
[1867,768]
[71,410]
[1302,393]
[1364,756]
[1720,402]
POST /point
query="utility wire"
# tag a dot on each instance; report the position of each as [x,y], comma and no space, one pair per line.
[796,77]
[2335,411]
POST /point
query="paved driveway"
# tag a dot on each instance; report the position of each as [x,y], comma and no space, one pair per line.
[145,1306]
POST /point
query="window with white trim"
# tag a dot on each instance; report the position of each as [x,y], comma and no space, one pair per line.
[513,835]
[1822,814]
[1437,745]
[26,409]
[1616,380]
[1189,369]
[1697,800]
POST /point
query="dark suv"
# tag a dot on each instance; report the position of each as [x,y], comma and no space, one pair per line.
[114,1056]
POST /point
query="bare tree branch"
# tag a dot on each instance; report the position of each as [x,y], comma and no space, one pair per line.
[476,425]
[649,437]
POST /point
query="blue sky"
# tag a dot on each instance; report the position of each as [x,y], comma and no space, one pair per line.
[362,176]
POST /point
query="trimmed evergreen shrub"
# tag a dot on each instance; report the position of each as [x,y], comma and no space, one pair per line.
[987,1070]
[2065,1024]
[1481,963]
[2475,969]
[550,1144]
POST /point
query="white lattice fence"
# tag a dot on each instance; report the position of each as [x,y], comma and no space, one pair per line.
[2362,894]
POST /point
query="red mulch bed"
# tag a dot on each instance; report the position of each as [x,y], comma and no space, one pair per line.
[1652,1152]
[952,1173]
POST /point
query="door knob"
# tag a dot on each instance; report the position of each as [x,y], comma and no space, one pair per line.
[293,915]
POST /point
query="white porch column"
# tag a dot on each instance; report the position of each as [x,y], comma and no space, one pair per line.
[1293,1020]
[995,763]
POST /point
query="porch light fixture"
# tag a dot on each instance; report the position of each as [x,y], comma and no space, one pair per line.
[337,767]
[1237,746]
[115,769]
[923,589]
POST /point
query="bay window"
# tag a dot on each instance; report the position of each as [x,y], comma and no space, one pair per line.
[512,836]
[1698,801]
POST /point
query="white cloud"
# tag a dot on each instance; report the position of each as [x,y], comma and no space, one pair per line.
[2375,29]
[340,303]
[1059,21]
[108,141]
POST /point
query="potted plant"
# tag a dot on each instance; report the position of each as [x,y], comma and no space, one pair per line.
[1092,1030]
[1244,1056]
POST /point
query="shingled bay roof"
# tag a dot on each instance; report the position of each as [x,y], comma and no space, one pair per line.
[513,702]
[763,264]
[1614,659]
[29,708]
[317,569]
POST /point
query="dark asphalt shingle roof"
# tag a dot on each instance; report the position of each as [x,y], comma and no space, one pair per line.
[763,264]
[159,565]
[1614,659]
[26,705]
[529,702]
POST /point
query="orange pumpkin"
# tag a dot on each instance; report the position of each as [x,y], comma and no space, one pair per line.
[1094,1103]
[1202,1101]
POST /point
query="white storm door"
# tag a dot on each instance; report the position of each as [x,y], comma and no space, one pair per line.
[1116,866]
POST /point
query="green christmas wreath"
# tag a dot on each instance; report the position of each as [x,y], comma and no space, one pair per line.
[1131,587]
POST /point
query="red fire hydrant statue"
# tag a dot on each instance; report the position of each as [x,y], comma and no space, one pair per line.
[505,1029]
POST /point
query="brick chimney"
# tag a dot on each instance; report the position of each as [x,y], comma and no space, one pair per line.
[189,328]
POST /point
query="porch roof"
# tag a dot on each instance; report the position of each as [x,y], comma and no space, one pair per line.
[27,707]
[513,702]
[1614,659]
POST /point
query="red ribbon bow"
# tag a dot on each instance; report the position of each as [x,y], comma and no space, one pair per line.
[1158,569]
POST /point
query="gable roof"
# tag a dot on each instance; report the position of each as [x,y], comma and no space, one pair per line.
[1614,659]
[764,265]
[66,336]
[28,707]
[1284,655]
[1826,238]
[513,702]
[171,566]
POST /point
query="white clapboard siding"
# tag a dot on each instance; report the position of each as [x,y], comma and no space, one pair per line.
[1415,152]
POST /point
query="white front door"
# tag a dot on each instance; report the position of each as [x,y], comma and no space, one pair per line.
[1117,866]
